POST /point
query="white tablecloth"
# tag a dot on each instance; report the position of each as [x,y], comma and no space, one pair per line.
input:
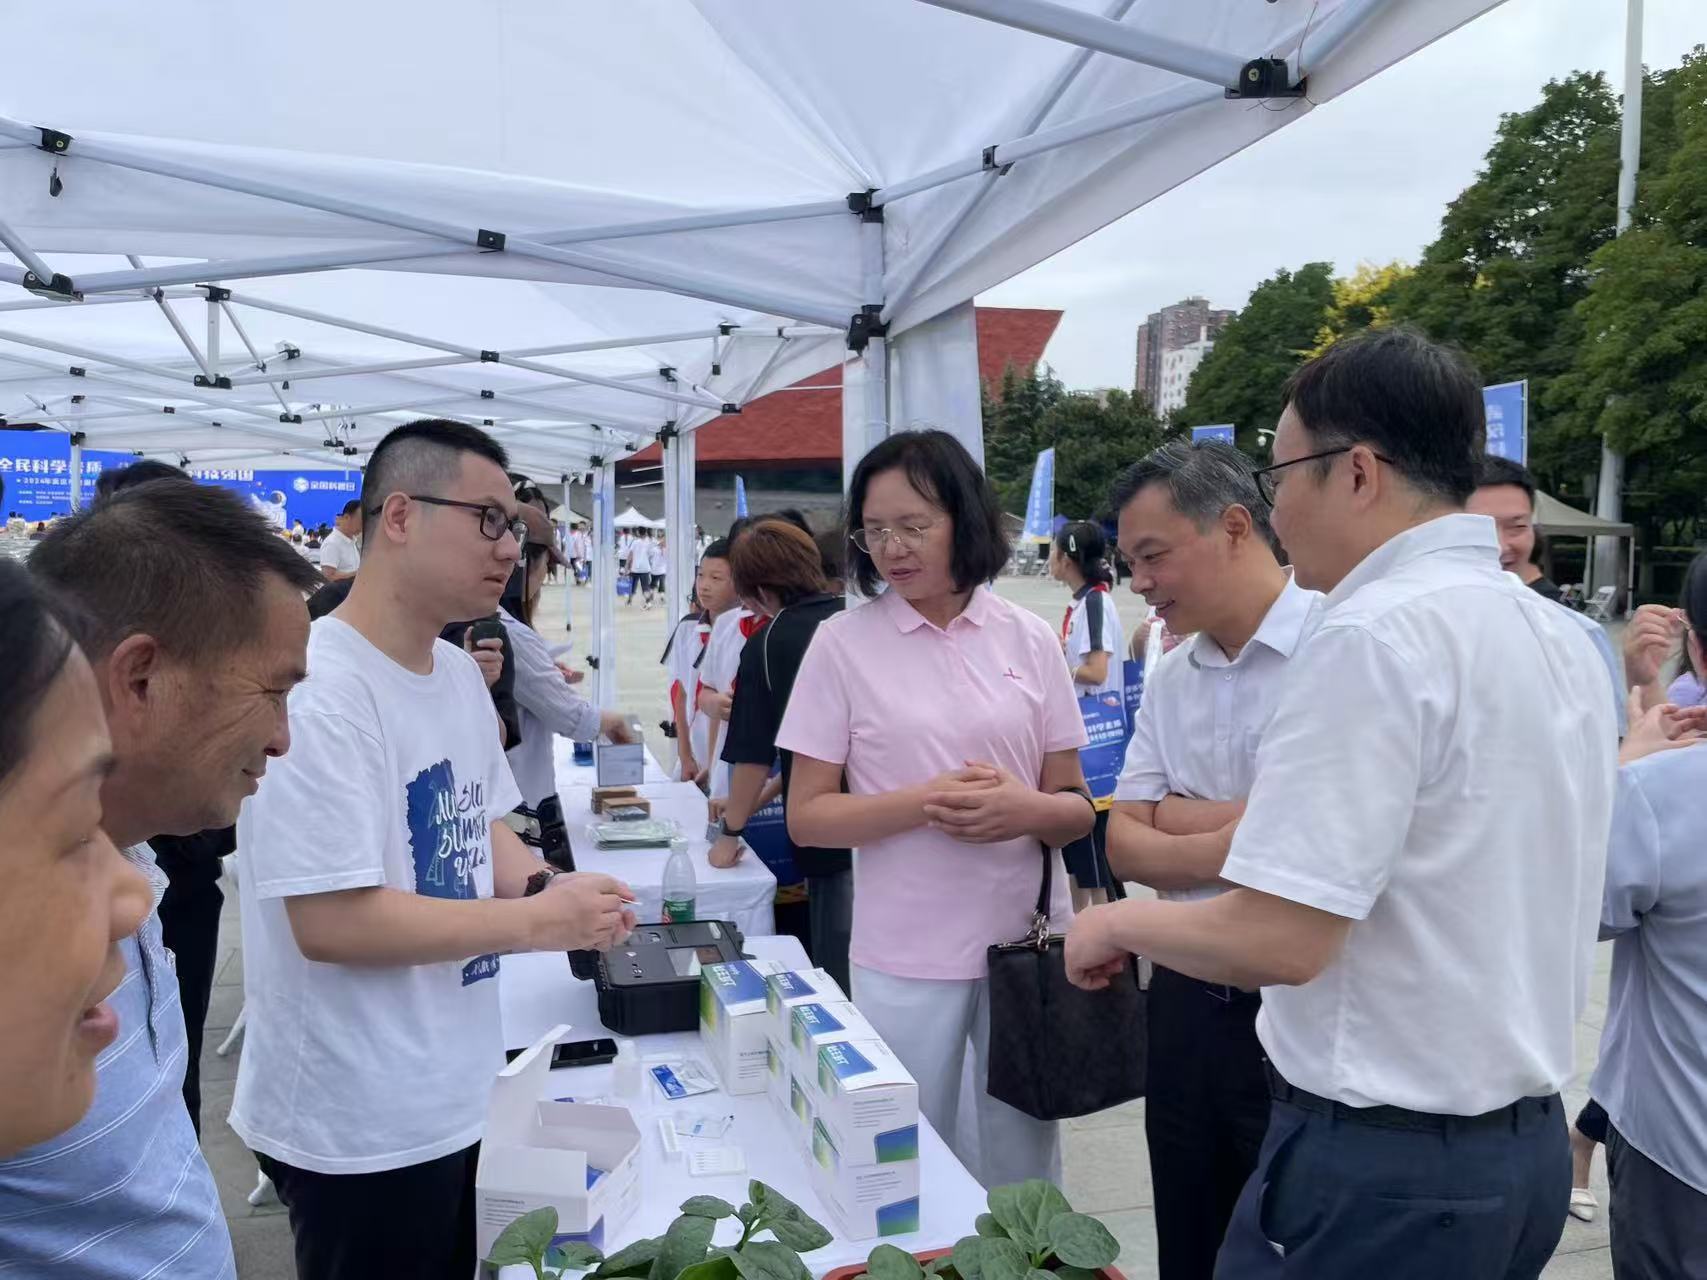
[538,992]
[741,894]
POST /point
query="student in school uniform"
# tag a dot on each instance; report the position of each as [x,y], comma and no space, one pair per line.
[714,595]
[1090,640]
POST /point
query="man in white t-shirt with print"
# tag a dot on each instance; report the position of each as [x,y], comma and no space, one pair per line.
[1196,532]
[340,553]
[380,887]
[1420,864]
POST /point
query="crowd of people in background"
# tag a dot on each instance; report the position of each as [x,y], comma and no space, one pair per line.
[1386,788]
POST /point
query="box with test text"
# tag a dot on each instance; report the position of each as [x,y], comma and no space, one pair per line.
[866,1200]
[817,1023]
[867,1101]
[788,988]
[583,1161]
[734,1020]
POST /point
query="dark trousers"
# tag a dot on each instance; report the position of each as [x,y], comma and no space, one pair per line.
[1205,1112]
[1384,1194]
[416,1221]
[829,900]
[1659,1223]
[189,926]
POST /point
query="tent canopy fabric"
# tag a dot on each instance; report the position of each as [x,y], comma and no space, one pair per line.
[632,519]
[1558,520]
[702,201]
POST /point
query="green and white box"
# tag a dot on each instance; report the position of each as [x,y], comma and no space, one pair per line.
[866,1200]
[733,1020]
[818,1023]
[787,989]
[868,1102]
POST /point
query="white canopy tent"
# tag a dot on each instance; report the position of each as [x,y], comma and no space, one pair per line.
[632,519]
[596,224]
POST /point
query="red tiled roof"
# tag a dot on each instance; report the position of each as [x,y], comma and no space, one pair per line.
[795,428]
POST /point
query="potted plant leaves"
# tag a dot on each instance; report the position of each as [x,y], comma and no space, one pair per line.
[684,1251]
[1030,1228]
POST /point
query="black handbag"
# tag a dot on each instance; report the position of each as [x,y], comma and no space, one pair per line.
[1057,1051]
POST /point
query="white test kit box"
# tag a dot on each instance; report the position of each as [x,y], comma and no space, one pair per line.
[867,1201]
[787,988]
[583,1161]
[734,1020]
[818,1023]
[868,1102]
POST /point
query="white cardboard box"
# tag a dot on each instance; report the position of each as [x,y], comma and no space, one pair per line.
[867,1101]
[583,1161]
[787,988]
[734,1020]
[817,1023]
[866,1200]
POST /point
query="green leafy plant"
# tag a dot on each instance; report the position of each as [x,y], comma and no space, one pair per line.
[684,1251]
[1030,1233]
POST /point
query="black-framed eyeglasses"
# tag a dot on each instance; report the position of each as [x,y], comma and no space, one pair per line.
[494,521]
[1264,476]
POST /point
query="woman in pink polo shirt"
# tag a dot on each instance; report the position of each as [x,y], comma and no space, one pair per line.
[953,717]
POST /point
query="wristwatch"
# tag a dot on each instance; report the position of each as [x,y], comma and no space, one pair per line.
[726,829]
[538,880]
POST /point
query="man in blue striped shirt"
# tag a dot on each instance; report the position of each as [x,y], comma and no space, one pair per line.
[195,625]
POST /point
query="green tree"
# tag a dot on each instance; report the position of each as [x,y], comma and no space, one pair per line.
[1095,438]
[1503,277]
[1639,376]
[1362,300]
[1013,421]
[1240,380]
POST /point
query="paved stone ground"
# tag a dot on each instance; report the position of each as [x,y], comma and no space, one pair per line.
[1106,1169]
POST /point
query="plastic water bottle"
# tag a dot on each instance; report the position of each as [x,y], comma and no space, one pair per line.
[680,886]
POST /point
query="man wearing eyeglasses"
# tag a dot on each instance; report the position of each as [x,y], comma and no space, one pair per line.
[380,886]
[1418,870]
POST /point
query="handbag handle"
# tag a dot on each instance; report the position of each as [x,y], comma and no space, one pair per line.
[1039,935]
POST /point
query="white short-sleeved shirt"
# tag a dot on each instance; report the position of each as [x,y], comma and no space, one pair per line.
[658,559]
[899,702]
[687,648]
[1439,771]
[339,551]
[392,779]
[1202,716]
[1092,625]
[717,671]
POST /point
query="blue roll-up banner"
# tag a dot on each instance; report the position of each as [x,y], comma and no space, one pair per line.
[1132,671]
[1105,721]
[766,834]
[1506,405]
[36,466]
[740,497]
[1040,503]
[1221,431]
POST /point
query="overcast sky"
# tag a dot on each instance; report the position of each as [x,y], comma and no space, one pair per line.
[1363,178]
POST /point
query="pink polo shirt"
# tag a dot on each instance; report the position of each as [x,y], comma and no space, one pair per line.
[900,702]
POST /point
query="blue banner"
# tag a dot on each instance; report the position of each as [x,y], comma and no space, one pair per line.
[1105,721]
[36,466]
[1040,504]
[1132,671]
[740,497]
[1222,432]
[287,498]
[766,834]
[1507,408]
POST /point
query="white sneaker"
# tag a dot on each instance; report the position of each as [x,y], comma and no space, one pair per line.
[1583,1204]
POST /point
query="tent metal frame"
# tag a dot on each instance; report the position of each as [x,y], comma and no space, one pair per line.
[867,383]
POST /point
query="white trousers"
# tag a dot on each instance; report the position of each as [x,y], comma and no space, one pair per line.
[929,1023]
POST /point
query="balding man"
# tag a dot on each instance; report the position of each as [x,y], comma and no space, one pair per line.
[381,886]
[192,617]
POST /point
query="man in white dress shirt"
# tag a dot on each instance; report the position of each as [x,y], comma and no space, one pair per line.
[1419,865]
[1195,530]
